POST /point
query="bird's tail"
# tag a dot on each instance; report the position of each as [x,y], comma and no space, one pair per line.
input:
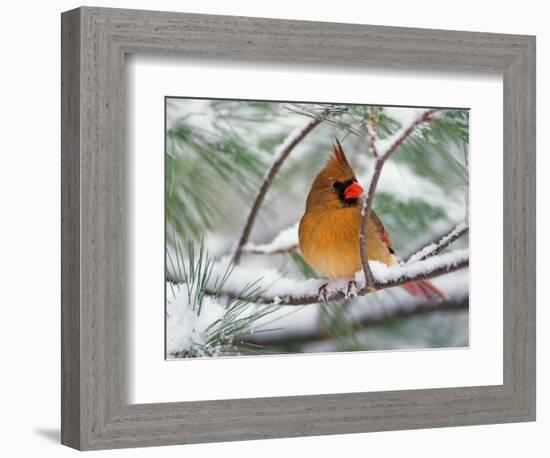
[426,290]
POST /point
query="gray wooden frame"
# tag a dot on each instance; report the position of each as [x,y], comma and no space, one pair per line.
[95,41]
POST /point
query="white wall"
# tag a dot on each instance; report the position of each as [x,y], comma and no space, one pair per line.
[29,229]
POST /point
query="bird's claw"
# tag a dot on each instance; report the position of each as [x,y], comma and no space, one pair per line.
[352,289]
[323,292]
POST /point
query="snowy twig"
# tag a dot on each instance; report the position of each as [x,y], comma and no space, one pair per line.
[307,292]
[304,336]
[367,205]
[267,250]
[285,242]
[432,249]
[279,157]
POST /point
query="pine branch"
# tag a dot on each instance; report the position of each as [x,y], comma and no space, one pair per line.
[280,156]
[306,336]
[433,249]
[367,206]
[371,131]
[197,324]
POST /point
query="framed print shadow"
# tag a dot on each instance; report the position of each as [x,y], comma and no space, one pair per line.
[294,227]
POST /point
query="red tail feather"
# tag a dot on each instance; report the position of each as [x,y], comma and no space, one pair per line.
[426,290]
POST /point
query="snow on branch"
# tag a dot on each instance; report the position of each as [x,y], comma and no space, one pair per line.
[279,157]
[286,291]
[380,310]
[432,249]
[285,242]
[396,141]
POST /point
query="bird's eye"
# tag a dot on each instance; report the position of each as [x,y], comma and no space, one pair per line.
[337,185]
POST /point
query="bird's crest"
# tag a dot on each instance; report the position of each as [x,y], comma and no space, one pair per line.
[338,166]
[338,154]
[337,173]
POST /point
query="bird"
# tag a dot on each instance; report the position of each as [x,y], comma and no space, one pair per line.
[329,230]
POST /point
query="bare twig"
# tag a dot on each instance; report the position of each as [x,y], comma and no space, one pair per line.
[432,249]
[287,147]
[367,205]
[304,336]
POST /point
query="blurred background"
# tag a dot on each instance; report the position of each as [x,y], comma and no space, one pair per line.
[217,154]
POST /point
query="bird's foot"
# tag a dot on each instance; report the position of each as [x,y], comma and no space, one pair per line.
[323,292]
[352,289]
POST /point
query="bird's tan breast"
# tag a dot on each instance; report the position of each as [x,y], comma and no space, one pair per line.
[329,242]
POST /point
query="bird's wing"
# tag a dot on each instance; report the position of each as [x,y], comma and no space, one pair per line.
[382,231]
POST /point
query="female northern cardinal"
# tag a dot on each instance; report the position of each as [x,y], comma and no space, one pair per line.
[329,230]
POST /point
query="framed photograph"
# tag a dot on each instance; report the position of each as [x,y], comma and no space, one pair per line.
[268,234]
[227,296]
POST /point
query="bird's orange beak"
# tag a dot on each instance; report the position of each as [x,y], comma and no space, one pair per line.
[353,191]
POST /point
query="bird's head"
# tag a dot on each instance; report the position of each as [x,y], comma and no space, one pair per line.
[335,186]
